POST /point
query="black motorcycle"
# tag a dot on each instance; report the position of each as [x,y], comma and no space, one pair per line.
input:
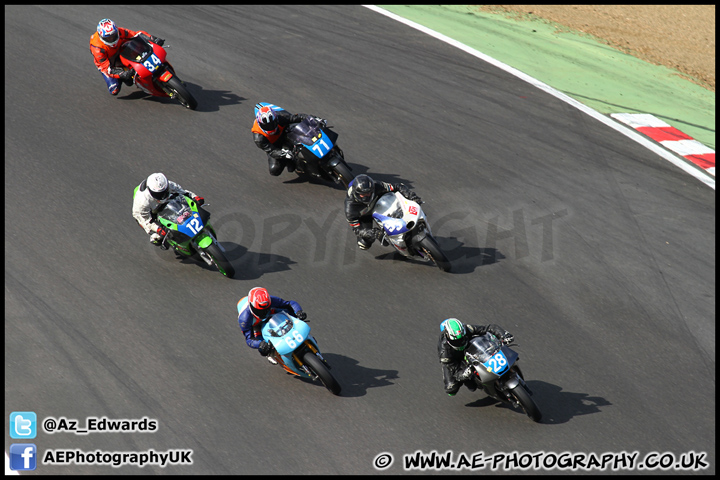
[497,373]
[316,153]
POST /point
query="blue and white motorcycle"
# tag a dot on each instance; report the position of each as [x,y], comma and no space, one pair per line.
[497,373]
[296,350]
[407,229]
[316,151]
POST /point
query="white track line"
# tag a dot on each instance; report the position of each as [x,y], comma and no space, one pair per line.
[666,154]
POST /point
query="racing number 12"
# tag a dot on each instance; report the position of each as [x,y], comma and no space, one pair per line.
[194,225]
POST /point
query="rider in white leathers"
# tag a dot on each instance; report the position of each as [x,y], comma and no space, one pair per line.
[153,193]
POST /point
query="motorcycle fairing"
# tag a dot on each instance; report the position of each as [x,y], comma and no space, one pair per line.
[393,226]
[285,332]
[312,137]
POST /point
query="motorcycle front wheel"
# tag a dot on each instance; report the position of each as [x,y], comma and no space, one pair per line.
[431,248]
[319,368]
[181,94]
[527,403]
[342,172]
[218,258]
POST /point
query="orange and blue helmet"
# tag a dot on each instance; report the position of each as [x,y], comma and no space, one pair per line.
[266,118]
[108,32]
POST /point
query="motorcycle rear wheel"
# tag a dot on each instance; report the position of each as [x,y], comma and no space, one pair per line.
[527,403]
[319,368]
[431,248]
[218,258]
[181,94]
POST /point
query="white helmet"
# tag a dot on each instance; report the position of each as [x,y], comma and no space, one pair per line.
[157,183]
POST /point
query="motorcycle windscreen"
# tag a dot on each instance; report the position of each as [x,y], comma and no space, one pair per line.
[136,50]
[285,333]
[309,134]
[388,212]
[179,212]
[486,351]
[393,226]
[389,206]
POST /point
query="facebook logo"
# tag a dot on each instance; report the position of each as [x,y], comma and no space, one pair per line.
[23,425]
[23,456]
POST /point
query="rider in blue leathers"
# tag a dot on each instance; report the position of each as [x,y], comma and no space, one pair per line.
[257,307]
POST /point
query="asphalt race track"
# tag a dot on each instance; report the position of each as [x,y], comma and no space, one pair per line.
[596,253]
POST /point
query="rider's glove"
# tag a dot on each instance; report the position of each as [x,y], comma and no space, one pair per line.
[199,200]
[301,315]
[508,338]
[286,153]
[264,349]
[116,70]
[157,40]
[322,121]
[125,75]
[161,231]
[465,374]
[370,233]
[415,198]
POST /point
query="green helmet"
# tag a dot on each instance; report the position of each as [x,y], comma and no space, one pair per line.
[455,333]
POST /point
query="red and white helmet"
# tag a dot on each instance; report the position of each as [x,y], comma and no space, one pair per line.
[259,302]
[108,32]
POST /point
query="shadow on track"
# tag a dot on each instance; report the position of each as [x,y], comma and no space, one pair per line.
[208,100]
[356,379]
[556,406]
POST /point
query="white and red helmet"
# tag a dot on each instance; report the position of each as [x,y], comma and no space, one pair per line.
[108,32]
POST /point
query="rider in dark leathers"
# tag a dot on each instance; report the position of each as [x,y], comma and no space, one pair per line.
[451,351]
[362,195]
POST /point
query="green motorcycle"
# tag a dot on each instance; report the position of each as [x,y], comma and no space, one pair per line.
[190,232]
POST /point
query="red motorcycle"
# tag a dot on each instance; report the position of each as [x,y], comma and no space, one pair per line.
[153,75]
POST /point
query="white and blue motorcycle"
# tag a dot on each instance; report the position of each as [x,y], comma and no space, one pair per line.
[406,228]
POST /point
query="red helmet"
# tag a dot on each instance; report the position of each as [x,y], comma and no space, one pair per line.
[259,301]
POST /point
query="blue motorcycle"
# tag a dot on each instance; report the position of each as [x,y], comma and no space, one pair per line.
[497,373]
[315,149]
[296,350]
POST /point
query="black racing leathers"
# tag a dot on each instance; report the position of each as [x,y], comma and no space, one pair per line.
[451,360]
[359,215]
[276,161]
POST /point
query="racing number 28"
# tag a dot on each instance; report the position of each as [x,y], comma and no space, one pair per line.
[497,362]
